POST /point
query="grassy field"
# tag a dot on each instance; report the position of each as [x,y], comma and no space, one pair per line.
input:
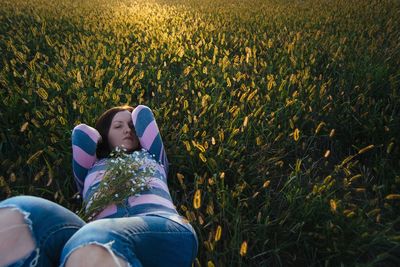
[280,118]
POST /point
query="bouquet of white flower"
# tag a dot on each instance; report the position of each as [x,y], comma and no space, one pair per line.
[125,177]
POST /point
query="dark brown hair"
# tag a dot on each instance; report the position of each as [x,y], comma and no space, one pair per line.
[103,124]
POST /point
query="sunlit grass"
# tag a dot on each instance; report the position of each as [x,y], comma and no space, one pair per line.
[280,118]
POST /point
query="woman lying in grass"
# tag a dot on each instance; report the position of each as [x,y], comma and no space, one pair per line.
[120,169]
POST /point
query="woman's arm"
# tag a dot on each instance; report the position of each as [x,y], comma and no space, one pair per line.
[84,144]
[148,133]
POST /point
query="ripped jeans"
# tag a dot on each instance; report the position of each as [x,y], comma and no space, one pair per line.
[144,240]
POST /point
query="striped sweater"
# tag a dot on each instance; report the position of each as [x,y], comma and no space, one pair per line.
[89,171]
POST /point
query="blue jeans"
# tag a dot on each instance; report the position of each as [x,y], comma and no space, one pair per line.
[144,240]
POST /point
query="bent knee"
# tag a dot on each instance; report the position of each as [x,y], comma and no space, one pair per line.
[12,223]
[16,241]
[10,216]
[94,255]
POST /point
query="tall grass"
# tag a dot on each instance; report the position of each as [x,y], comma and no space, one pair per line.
[280,118]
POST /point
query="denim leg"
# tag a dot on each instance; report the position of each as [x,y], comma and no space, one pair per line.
[51,226]
[151,241]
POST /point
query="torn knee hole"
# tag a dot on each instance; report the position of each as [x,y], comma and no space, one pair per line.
[96,250]
[15,235]
[11,218]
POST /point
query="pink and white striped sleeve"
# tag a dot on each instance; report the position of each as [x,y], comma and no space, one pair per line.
[149,135]
[84,144]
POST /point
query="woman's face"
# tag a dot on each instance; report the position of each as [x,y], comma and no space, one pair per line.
[121,132]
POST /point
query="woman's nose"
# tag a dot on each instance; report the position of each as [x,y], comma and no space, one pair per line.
[128,129]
